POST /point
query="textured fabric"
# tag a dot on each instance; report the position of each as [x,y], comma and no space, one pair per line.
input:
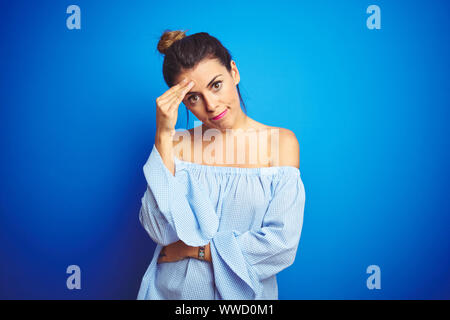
[252,218]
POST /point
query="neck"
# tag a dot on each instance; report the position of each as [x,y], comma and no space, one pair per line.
[242,122]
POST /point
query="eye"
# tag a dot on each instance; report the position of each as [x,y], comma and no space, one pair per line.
[215,83]
[192,101]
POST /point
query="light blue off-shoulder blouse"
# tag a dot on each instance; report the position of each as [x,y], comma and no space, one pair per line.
[252,218]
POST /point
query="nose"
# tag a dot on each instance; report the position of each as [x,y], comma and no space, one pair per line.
[210,103]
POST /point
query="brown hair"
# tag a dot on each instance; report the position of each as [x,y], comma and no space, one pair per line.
[184,52]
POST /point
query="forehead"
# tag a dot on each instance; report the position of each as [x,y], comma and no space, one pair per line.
[204,71]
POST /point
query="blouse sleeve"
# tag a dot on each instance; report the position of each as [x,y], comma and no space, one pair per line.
[175,210]
[241,261]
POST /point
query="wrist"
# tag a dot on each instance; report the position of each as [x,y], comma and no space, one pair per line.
[201,253]
[193,252]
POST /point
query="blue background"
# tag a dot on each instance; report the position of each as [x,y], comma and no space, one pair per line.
[370,109]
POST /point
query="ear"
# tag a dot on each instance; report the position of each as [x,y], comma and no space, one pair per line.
[235,73]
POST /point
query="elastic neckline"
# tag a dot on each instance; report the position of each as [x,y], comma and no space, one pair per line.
[235,170]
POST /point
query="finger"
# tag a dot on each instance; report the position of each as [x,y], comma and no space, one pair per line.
[176,99]
[174,88]
[176,93]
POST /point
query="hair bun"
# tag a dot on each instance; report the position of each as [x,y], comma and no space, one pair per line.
[168,38]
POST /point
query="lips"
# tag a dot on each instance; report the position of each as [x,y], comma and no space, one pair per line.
[220,115]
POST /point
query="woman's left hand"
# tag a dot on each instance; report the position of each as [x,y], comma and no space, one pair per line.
[175,251]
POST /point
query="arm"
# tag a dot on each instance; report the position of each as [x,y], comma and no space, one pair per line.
[179,250]
[193,253]
[167,214]
[244,260]
[241,261]
[164,144]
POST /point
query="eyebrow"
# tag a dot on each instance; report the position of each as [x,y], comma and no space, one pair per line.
[210,83]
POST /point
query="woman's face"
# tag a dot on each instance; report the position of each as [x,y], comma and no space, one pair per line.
[214,92]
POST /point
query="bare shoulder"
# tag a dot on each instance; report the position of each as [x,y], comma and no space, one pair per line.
[289,148]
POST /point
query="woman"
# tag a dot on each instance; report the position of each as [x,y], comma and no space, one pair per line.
[223,230]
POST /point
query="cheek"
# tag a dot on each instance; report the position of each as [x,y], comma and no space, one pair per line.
[231,96]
